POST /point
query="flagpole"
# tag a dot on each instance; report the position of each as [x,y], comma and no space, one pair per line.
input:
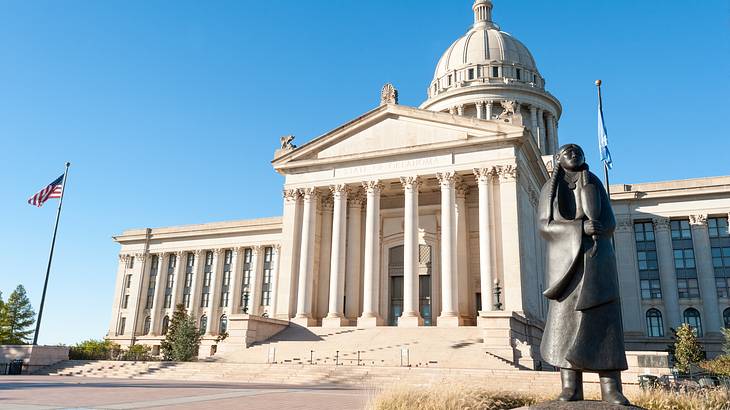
[50,256]
[605,165]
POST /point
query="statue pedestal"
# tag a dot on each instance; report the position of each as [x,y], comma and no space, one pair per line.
[512,337]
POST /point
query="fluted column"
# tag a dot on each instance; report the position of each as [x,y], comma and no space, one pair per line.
[335,313]
[139,277]
[512,293]
[257,267]
[552,134]
[276,249]
[667,273]
[480,109]
[411,316]
[462,259]
[234,305]
[533,125]
[213,290]
[541,138]
[306,259]
[706,274]
[118,295]
[449,311]
[197,284]
[371,276]
[484,178]
[489,110]
[156,310]
[179,279]
[291,234]
[353,268]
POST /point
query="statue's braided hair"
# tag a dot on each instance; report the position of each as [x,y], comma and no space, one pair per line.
[559,173]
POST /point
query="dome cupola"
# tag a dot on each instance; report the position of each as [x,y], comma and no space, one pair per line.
[488,72]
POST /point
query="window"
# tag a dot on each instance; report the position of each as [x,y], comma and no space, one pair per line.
[128,281]
[147,324]
[684,258]
[122,325]
[226,282]
[189,266]
[646,257]
[203,324]
[207,273]
[721,263]
[519,74]
[266,282]
[130,265]
[150,298]
[470,73]
[125,302]
[495,71]
[681,230]
[223,328]
[152,283]
[165,324]
[246,280]
[718,227]
[449,80]
[654,324]
[224,300]
[692,318]
[204,299]
[168,300]
[186,300]
[726,318]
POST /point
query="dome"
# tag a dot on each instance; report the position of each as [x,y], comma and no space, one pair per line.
[485,46]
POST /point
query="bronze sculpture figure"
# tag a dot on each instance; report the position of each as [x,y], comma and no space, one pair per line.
[583,331]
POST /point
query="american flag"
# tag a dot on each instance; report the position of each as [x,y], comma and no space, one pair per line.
[53,190]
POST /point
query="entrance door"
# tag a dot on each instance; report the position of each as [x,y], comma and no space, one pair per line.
[395,275]
[424,284]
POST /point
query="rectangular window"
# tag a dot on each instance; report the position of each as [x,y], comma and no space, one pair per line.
[224,300]
[519,74]
[168,300]
[204,299]
[470,73]
[128,281]
[495,71]
[125,302]
[170,281]
[646,257]
[246,280]
[122,325]
[449,80]
[130,265]
[718,227]
[266,282]
[150,301]
[681,230]
[189,280]
[206,279]
[684,260]
[186,300]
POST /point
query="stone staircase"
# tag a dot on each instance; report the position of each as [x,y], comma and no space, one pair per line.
[382,346]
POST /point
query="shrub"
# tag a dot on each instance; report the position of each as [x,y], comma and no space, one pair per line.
[182,340]
[726,343]
[137,353]
[687,349]
[94,350]
[719,365]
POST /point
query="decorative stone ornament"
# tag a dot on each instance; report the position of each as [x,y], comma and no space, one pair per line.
[287,142]
[388,94]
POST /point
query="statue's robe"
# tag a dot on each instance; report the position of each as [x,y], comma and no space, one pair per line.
[583,329]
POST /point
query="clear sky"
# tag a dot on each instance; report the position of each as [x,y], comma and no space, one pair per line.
[171,111]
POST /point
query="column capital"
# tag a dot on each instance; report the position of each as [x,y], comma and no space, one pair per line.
[291,195]
[327,203]
[180,254]
[411,182]
[484,174]
[217,252]
[276,248]
[507,173]
[661,224]
[356,199]
[462,189]
[124,257]
[256,249]
[197,253]
[340,189]
[447,178]
[373,186]
[310,193]
[238,251]
[698,220]
[140,256]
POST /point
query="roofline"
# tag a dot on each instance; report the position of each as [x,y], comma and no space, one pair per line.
[213,228]
[679,187]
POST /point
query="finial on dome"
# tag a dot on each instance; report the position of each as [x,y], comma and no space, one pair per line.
[482,13]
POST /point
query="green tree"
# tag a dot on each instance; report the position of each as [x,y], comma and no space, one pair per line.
[182,339]
[20,318]
[687,349]
[726,343]
[4,325]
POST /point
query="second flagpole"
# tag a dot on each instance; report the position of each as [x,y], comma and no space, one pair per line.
[50,256]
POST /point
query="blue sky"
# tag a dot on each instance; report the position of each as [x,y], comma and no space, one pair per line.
[170,111]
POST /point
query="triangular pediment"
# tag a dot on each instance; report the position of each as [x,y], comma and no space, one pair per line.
[393,130]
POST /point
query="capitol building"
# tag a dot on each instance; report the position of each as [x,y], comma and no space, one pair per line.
[411,218]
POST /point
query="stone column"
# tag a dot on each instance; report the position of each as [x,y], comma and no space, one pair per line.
[484,177]
[276,255]
[509,226]
[411,316]
[452,110]
[179,280]
[460,109]
[667,274]
[118,295]
[140,273]
[552,134]
[449,311]
[234,300]
[306,260]
[556,139]
[629,286]
[463,300]
[257,269]
[213,290]
[156,311]
[197,284]
[353,269]
[324,247]
[533,125]
[336,309]
[706,274]
[489,109]
[541,138]
[480,109]
[290,249]
[371,276]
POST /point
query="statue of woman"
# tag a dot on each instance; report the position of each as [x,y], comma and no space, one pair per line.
[583,330]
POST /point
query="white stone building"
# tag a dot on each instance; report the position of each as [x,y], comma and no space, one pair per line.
[427,217]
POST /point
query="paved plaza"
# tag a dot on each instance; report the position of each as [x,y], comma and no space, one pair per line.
[58,392]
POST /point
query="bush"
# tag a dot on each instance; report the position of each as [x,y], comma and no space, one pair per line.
[687,349]
[137,353]
[182,340]
[94,350]
[719,365]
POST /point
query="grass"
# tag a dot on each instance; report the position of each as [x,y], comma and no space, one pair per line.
[459,397]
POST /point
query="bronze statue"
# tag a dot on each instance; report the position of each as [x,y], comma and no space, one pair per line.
[583,330]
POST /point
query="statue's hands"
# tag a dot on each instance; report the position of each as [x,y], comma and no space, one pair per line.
[592,228]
